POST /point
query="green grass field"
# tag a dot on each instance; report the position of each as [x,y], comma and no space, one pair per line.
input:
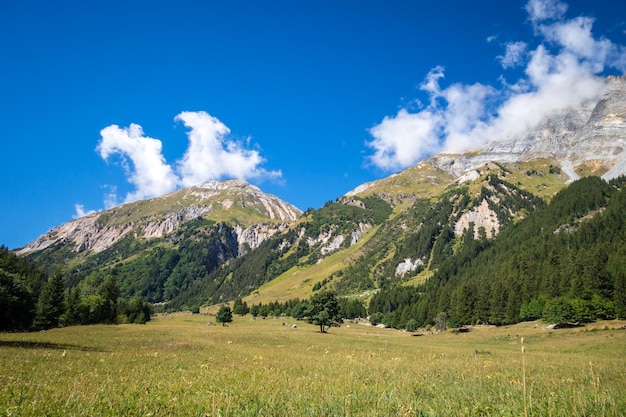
[177,365]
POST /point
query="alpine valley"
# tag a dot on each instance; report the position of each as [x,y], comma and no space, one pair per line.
[523,228]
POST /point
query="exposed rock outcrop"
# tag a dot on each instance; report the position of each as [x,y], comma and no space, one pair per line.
[480,216]
[256,234]
[592,131]
[408,265]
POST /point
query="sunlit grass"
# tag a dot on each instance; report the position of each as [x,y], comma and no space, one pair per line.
[177,365]
[298,281]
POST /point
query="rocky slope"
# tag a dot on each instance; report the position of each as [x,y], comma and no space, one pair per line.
[255,214]
[586,139]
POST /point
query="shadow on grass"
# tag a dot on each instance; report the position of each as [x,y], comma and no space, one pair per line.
[46,345]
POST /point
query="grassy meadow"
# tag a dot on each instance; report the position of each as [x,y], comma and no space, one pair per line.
[178,365]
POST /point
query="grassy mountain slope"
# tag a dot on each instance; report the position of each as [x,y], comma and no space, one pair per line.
[158,248]
[421,227]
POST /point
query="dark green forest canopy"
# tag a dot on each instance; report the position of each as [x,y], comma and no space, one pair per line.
[20,285]
[571,252]
[30,300]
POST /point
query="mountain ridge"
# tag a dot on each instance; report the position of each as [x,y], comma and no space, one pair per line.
[591,132]
[157,217]
[585,139]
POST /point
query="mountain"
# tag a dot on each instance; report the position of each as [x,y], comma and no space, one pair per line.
[564,262]
[235,202]
[156,248]
[587,139]
[420,227]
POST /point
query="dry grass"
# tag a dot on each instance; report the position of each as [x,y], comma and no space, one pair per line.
[177,365]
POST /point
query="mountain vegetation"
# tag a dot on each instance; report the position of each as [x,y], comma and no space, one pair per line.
[564,262]
[32,301]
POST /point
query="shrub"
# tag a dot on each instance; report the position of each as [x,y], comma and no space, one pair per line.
[411,325]
[559,311]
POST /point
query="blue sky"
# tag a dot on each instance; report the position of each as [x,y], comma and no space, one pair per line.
[107,102]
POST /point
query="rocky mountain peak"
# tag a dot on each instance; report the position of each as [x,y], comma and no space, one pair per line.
[232,201]
[587,138]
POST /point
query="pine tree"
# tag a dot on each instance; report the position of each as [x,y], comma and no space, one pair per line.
[16,303]
[620,295]
[73,313]
[110,292]
[224,315]
[240,307]
[51,303]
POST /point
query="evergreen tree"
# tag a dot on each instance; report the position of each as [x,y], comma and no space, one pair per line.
[16,303]
[20,286]
[620,295]
[224,315]
[74,308]
[109,291]
[351,308]
[240,307]
[51,303]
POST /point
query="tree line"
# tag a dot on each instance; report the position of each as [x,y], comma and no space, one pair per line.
[31,300]
[323,309]
[347,308]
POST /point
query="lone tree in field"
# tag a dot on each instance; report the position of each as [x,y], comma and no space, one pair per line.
[224,315]
[324,311]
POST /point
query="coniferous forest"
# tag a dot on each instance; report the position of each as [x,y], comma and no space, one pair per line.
[31,300]
[565,262]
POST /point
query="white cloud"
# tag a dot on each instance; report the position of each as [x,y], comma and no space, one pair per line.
[398,139]
[81,212]
[545,9]
[514,54]
[464,114]
[110,198]
[561,71]
[576,38]
[212,155]
[147,169]
[431,83]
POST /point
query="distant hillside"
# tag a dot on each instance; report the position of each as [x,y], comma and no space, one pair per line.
[156,248]
[234,202]
[405,246]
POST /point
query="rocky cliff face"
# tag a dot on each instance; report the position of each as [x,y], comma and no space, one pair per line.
[586,138]
[259,216]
